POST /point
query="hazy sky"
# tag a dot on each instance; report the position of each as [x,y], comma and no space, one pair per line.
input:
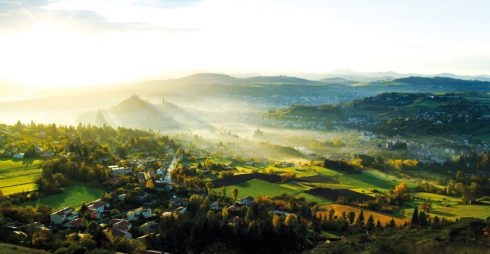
[70,42]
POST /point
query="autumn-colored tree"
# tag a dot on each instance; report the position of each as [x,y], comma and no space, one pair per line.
[290,220]
[149,185]
[331,214]
[426,207]
[209,187]
[107,197]
[224,213]
[401,188]
[210,214]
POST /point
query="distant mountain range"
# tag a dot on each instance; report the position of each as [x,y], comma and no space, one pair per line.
[214,93]
[390,75]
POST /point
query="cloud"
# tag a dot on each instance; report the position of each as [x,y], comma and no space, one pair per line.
[19,14]
[167,3]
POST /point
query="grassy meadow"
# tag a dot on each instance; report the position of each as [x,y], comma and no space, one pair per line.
[73,195]
[18,175]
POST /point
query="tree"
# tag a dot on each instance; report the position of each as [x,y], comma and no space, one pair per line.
[235,194]
[378,224]
[392,223]
[415,217]
[276,221]
[122,152]
[360,219]
[107,197]
[224,213]
[223,191]
[425,206]
[210,215]
[436,223]
[149,185]
[468,196]
[290,219]
[401,188]
[423,219]
[370,222]
[331,214]
[351,215]
[459,176]
[209,187]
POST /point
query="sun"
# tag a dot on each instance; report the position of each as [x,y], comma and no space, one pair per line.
[40,55]
[49,54]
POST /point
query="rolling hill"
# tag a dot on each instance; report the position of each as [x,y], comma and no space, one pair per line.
[401,113]
[135,112]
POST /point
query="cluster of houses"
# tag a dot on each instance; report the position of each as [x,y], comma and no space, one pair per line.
[21,156]
[70,218]
[395,144]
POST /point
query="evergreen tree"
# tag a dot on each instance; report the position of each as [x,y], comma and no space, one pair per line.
[436,223]
[331,213]
[423,219]
[360,219]
[392,223]
[352,216]
[370,222]
[235,194]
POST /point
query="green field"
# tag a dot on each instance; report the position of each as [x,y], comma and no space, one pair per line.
[18,175]
[74,195]
[258,187]
[6,248]
[364,182]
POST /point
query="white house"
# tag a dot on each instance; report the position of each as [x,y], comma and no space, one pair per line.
[18,156]
[248,200]
[216,206]
[138,213]
[116,170]
[65,214]
[180,210]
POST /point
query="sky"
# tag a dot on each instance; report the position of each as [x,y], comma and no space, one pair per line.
[54,43]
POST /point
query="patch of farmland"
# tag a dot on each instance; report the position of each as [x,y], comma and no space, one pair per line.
[316,179]
[383,218]
[238,179]
[334,194]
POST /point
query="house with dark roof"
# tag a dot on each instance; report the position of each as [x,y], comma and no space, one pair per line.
[120,228]
[97,208]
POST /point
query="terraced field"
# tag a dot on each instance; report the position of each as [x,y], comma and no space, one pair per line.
[18,175]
